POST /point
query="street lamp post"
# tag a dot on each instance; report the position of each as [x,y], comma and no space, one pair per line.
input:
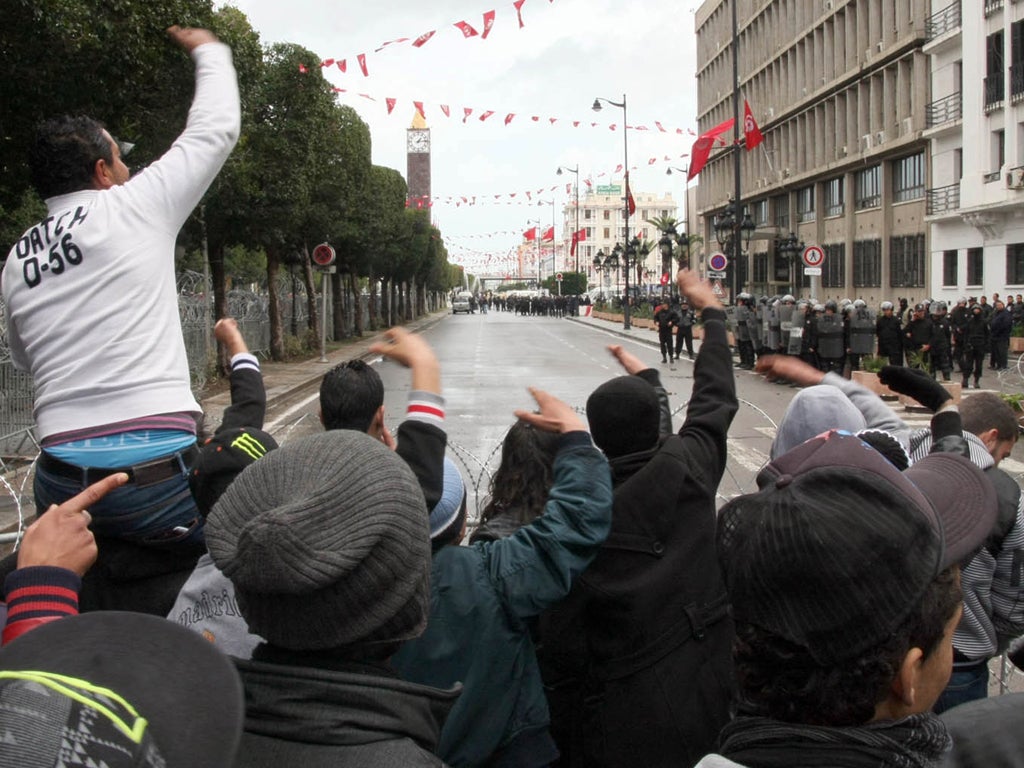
[625,157]
[733,232]
[536,247]
[612,263]
[576,188]
[791,247]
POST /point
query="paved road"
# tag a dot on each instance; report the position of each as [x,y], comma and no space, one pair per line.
[489,360]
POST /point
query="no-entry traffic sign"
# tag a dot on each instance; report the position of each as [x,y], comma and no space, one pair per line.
[813,256]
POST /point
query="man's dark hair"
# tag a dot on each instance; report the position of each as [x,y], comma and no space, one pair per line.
[986,410]
[779,679]
[350,395]
[64,154]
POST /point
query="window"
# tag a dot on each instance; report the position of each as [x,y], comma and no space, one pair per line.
[949,267]
[869,188]
[906,261]
[780,268]
[759,212]
[998,151]
[834,197]
[587,213]
[805,203]
[590,233]
[975,266]
[761,268]
[664,212]
[1017,60]
[908,178]
[994,80]
[607,233]
[780,207]
[607,215]
[833,271]
[1015,263]
[867,264]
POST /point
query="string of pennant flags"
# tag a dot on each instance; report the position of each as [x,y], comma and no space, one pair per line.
[466,29]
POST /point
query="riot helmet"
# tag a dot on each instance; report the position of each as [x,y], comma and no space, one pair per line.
[886,305]
[860,304]
[830,304]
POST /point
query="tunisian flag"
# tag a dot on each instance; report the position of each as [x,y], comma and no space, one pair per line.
[577,237]
[530,234]
[750,130]
[549,234]
[702,147]
[630,202]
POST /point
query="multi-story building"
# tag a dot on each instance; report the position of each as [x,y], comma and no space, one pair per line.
[602,215]
[977,185]
[839,90]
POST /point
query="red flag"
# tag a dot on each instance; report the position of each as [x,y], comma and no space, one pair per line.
[751,132]
[466,28]
[486,114]
[302,68]
[447,112]
[630,202]
[519,11]
[660,128]
[588,182]
[327,63]
[549,234]
[488,23]
[702,148]
[568,187]
[362,63]
[466,112]
[508,117]
[581,235]
[420,41]
[391,104]
[419,108]
[618,168]
[341,65]
[530,234]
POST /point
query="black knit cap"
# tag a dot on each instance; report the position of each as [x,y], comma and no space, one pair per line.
[624,415]
[221,459]
[838,546]
[327,543]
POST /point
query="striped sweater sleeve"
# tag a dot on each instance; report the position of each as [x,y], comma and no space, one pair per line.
[37,595]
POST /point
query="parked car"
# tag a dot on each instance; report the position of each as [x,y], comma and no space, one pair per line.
[463,303]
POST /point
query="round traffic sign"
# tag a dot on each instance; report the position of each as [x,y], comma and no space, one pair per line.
[323,255]
[813,256]
[558,277]
[718,261]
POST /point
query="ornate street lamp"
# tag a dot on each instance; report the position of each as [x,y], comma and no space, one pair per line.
[625,164]
[733,233]
[790,247]
[612,265]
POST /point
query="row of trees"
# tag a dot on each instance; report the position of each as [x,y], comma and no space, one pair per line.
[301,173]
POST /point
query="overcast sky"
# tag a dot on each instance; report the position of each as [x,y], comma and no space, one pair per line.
[567,52]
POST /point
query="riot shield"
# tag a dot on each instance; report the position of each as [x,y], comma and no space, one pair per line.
[830,336]
[798,328]
[862,332]
[774,335]
[786,312]
[755,325]
[743,317]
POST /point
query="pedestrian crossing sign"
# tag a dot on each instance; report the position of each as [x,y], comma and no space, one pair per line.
[716,288]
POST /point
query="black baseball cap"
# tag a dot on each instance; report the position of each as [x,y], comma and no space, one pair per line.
[116,689]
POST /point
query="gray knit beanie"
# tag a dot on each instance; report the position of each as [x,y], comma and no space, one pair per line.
[327,543]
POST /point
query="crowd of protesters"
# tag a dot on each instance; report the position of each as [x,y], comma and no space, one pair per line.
[191,600]
[836,336]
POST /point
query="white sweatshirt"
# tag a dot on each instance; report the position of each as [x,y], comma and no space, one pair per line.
[89,292]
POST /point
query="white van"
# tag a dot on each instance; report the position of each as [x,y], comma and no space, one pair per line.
[463,303]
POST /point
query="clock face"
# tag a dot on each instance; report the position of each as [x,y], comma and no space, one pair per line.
[418,141]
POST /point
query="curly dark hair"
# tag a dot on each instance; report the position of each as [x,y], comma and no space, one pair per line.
[520,485]
[780,680]
[65,152]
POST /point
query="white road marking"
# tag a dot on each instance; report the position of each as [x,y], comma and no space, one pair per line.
[749,458]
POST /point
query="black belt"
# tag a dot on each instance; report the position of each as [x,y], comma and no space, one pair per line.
[142,475]
[963,661]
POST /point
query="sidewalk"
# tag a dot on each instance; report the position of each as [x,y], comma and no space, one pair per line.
[641,335]
[287,381]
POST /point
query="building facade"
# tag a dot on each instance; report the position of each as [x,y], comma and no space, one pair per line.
[602,216]
[839,89]
[975,199]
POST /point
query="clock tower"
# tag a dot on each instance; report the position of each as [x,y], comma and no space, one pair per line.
[417,146]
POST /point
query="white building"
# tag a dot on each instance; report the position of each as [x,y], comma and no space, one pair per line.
[975,126]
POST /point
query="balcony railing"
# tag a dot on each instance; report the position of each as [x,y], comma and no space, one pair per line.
[944,110]
[942,21]
[1016,82]
[995,86]
[991,6]
[943,199]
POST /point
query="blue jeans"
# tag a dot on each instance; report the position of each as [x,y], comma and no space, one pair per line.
[163,514]
[967,683]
